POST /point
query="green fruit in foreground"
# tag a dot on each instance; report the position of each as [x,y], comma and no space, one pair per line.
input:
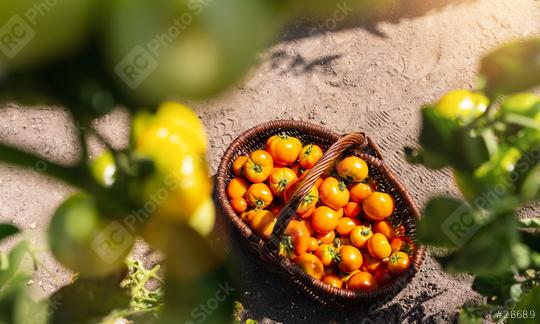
[520,103]
[85,242]
[462,105]
[104,169]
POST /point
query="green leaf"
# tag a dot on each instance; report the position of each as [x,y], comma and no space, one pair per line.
[447,222]
[497,285]
[533,222]
[488,251]
[437,139]
[529,305]
[7,230]
[531,239]
[11,266]
[511,68]
[467,316]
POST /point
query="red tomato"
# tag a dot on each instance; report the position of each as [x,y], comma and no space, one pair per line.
[362,281]
[352,209]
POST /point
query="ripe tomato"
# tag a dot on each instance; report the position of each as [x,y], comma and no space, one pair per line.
[339,213]
[307,205]
[378,206]
[333,193]
[283,148]
[311,265]
[352,209]
[398,262]
[238,165]
[259,196]
[318,182]
[360,236]
[247,216]
[362,281]
[72,232]
[299,235]
[262,223]
[275,209]
[385,228]
[462,105]
[350,258]
[359,192]
[352,169]
[324,219]
[333,280]
[327,238]
[307,224]
[382,276]
[345,225]
[297,168]
[378,246]
[327,254]
[258,167]
[239,205]
[369,264]
[279,179]
[309,155]
[237,188]
[313,244]
[402,243]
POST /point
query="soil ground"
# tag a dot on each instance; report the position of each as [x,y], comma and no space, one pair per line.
[370,78]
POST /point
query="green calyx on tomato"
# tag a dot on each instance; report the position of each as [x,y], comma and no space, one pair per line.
[81,239]
[462,105]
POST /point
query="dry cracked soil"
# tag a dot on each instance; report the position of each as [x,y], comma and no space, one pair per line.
[369,77]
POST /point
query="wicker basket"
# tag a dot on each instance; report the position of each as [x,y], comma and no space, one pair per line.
[334,146]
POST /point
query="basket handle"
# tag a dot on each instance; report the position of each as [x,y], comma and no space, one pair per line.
[356,139]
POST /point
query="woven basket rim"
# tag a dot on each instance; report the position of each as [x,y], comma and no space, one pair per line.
[286,265]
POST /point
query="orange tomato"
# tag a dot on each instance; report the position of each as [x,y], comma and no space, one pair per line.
[310,264]
[313,244]
[360,235]
[385,228]
[362,281]
[279,179]
[398,262]
[352,209]
[262,223]
[275,209]
[327,254]
[318,182]
[283,148]
[382,276]
[308,203]
[309,155]
[324,219]
[307,223]
[378,246]
[239,204]
[378,206]
[359,192]
[247,216]
[352,169]
[333,193]
[258,167]
[350,258]
[369,264]
[345,225]
[332,280]
[238,165]
[299,235]
[339,213]
[327,238]
[297,168]
[259,196]
[237,188]
[402,243]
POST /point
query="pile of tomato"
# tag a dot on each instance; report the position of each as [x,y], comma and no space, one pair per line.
[341,233]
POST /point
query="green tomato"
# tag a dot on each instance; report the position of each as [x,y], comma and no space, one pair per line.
[521,103]
[34,32]
[84,241]
[462,105]
[185,48]
[104,169]
[496,171]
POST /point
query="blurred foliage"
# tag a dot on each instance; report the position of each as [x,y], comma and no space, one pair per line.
[495,159]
